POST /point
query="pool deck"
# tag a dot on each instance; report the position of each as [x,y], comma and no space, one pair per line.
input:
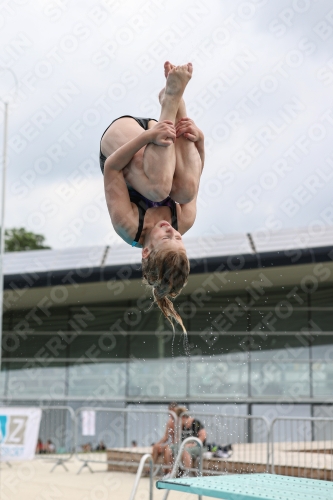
[34,481]
[310,459]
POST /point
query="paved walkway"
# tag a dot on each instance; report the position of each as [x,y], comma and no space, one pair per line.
[33,481]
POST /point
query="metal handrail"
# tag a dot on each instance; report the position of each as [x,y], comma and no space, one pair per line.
[114,410]
[139,473]
[178,459]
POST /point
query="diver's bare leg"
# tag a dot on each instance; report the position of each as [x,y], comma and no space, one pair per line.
[159,162]
[188,168]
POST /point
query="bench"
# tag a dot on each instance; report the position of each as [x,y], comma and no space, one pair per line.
[252,487]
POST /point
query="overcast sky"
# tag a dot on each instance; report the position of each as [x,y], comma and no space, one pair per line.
[262,92]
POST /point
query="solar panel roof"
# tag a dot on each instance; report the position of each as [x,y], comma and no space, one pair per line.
[287,239]
[52,260]
[197,248]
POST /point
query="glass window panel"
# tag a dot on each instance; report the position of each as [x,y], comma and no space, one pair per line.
[280,348]
[150,321]
[213,311]
[234,347]
[156,378]
[233,319]
[278,297]
[218,378]
[218,409]
[37,320]
[322,348]
[322,320]
[32,379]
[213,300]
[161,345]
[269,378]
[106,345]
[95,319]
[30,346]
[281,319]
[100,380]
[322,297]
[143,346]
[322,379]
[126,316]
[6,322]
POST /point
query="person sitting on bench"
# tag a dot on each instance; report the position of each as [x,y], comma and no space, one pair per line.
[191,427]
[169,435]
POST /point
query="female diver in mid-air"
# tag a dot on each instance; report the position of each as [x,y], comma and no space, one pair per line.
[151,172]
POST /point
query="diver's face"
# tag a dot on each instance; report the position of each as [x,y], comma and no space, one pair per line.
[163,236]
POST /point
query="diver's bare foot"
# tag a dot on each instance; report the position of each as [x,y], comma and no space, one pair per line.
[167,67]
[177,79]
[181,113]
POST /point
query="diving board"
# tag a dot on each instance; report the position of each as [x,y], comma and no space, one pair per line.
[252,487]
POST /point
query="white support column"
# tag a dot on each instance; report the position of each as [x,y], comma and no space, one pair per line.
[2,219]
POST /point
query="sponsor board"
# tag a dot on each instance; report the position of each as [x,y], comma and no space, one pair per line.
[19,428]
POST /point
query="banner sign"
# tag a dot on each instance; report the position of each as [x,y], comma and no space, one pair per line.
[19,428]
[88,422]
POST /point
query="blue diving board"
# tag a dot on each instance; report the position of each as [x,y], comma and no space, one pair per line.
[252,487]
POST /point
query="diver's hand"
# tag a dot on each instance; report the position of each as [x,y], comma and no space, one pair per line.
[189,130]
[163,133]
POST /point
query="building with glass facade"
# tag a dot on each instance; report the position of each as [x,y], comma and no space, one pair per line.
[79,328]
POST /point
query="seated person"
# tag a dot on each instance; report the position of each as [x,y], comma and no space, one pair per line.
[49,447]
[191,427]
[169,435]
[40,447]
[101,446]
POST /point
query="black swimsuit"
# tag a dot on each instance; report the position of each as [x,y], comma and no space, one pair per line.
[141,202]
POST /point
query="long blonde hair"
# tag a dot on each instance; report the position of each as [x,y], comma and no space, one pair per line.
[166,273]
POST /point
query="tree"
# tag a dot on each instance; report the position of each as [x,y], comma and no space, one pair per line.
[18,240]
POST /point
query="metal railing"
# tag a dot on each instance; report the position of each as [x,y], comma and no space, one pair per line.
[121,426]
[143,461]
[58,425]
[295,446]
[302,447]
[177,463]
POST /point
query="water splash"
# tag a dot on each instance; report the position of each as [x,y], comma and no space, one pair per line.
[186,345]
[173,343]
